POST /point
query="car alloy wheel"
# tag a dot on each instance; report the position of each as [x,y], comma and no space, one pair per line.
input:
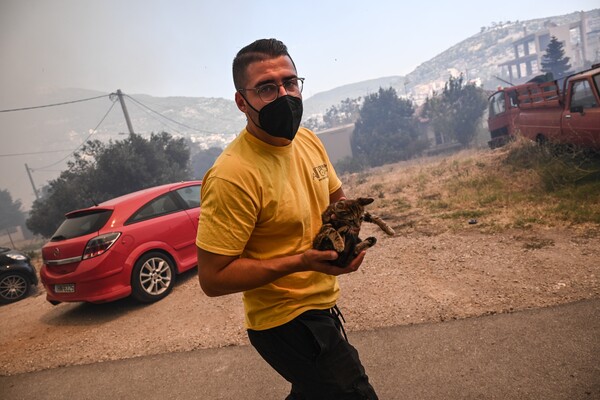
[153,277]
[13,287]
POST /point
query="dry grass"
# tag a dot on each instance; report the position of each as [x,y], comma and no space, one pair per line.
[512,187]
[517,186]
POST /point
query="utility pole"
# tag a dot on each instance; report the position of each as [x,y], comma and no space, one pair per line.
[35,191]
[129,126]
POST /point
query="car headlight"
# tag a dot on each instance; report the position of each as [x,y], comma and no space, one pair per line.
[100,245]
[16,256]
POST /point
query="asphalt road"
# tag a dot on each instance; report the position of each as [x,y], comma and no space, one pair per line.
[550,353]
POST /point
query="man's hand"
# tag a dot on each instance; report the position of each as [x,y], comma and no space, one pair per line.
[317,260]
[220,275]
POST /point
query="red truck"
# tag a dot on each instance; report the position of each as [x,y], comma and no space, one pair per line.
[502,114]
[542,112]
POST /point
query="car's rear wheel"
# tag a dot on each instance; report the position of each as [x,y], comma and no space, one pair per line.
[153,277]
[13,287]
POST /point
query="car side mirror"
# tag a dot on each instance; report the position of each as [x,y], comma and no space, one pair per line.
[576,109]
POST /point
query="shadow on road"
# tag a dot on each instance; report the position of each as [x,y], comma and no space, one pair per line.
[82,314]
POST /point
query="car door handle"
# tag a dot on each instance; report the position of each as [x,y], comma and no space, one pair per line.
[568,116]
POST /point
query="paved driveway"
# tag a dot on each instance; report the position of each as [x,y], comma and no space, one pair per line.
[551,353]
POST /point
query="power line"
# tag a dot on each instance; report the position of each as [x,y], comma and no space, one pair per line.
[170,119]
[32,153]
[55,104]
[113,99]
[168,127]
[82,143]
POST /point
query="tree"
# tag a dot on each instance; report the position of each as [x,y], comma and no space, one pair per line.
[139,163]
[554,60]
[10,211]
[346,112]
[203,160]
[455,113]
[100,172]
[385,131]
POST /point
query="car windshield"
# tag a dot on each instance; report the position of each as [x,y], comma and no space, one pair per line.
[81,224]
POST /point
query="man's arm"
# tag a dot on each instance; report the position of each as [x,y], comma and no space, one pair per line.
[337,195]
[220,275]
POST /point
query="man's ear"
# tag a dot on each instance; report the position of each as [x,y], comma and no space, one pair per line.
[240,102]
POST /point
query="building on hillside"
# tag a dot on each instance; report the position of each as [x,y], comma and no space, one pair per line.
[581,43]
[438,142]
[337,141]
[426,130]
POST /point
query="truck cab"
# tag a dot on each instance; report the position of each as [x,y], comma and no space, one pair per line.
[563,111]
[502,112]
[581,114]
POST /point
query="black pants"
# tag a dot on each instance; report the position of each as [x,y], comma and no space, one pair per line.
[311,353]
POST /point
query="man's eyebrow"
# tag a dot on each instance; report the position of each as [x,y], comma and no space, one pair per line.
[271,80]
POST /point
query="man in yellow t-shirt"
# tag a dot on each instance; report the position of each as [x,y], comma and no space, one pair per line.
[261,208]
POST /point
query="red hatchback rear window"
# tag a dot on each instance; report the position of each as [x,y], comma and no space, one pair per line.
[81,224]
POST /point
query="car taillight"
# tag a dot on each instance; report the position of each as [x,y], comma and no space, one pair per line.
[100,244]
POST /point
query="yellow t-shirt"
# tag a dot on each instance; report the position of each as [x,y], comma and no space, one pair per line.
[261,201]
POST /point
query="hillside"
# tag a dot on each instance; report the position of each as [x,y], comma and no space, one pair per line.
[478,56]
[320,102]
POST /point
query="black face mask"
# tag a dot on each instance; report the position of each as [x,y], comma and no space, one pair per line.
[281,118]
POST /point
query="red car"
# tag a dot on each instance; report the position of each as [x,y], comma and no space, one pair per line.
[134,245]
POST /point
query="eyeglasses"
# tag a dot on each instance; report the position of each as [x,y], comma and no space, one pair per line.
[270,91]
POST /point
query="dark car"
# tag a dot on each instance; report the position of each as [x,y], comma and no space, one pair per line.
[17,275]
[135,245]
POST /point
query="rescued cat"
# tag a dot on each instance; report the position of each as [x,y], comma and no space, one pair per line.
[341,225]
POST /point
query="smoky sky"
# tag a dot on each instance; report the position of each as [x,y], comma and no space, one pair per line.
[77,44]
[185,48]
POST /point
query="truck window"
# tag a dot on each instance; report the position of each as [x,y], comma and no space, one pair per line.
[512,95]
[582,95]
[497,104]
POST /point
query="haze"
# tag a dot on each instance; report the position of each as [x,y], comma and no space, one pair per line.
[185,48]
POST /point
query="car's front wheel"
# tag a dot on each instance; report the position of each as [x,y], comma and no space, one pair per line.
[13,287]
[153,277]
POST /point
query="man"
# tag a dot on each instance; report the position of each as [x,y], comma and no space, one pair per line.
[261,207]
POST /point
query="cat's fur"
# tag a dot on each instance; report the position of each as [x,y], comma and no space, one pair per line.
[341,225]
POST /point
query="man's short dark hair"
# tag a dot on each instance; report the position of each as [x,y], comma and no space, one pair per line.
[262,49]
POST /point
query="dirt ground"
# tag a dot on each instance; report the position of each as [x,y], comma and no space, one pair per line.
[427,272]
[408,279]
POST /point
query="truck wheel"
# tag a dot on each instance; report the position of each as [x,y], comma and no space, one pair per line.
[541,140]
